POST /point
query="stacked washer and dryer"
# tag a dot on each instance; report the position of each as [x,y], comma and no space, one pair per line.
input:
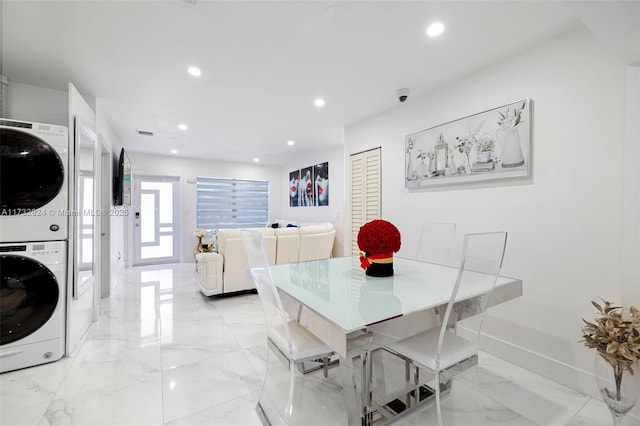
[34,233]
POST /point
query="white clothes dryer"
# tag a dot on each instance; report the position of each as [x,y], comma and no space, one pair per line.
[32,303]
[34,161]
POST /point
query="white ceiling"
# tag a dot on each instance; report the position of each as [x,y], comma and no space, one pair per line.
[264,62]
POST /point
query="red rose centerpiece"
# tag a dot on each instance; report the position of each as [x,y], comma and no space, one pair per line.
[378,240]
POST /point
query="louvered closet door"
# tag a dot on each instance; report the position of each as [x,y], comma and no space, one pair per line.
[366,180]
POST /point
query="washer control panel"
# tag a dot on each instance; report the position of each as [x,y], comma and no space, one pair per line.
[47,252]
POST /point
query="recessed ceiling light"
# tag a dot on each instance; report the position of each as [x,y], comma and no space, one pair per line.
[174,151]
[255,160]
[194,71]
[319,102]
[291,143]
[435,29]
[182,126]
[334,13]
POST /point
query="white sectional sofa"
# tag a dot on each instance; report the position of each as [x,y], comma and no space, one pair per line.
[225,271]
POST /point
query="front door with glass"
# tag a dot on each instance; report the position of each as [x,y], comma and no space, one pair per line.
[156,219]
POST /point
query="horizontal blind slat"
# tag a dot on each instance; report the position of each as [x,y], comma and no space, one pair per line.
[231,203]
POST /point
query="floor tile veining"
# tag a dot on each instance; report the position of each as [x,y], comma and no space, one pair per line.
[162,353]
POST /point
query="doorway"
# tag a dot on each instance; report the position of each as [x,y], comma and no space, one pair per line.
[156,236]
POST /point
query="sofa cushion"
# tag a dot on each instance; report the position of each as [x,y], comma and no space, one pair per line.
[230,246]
[321,228]
[288,245]
[287,231]
[227,234]
[316,245]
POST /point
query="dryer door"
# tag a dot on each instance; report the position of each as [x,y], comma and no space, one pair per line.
[31,172]
[29,295]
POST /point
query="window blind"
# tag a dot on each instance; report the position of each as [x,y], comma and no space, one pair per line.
[231,203]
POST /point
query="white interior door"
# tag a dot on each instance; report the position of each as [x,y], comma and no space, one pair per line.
[156,220]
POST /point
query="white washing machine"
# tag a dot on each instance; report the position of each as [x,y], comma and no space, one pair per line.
[32,303]
[34,161]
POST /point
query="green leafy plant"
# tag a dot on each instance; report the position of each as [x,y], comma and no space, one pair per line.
[616,338]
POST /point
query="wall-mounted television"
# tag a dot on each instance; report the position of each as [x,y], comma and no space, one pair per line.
[122,181]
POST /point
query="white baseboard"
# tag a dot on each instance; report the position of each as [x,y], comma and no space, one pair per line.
[552,369]
[560,372]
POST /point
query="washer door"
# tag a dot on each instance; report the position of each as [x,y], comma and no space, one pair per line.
[31,172]
[29,295]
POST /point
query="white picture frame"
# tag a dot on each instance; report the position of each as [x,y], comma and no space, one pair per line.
[490,145]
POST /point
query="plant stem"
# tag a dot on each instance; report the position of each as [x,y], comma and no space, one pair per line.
[617,372]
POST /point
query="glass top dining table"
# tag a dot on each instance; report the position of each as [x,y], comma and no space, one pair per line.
[339,290]
[355,314]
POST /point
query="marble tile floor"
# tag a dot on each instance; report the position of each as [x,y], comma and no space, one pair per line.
[161,353]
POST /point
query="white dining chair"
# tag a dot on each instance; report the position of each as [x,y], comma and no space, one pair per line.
[441,350]
[436,240]
[291,342]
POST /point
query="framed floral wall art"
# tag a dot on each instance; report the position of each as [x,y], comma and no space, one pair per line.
[494,144]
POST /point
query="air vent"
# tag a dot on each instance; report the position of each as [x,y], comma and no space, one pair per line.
[144,133]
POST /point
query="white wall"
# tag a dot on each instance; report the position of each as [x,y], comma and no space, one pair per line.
[116,227]
[334,211]
[80,311]
[631,190]
[33,103]
[564,225]
[190,168]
